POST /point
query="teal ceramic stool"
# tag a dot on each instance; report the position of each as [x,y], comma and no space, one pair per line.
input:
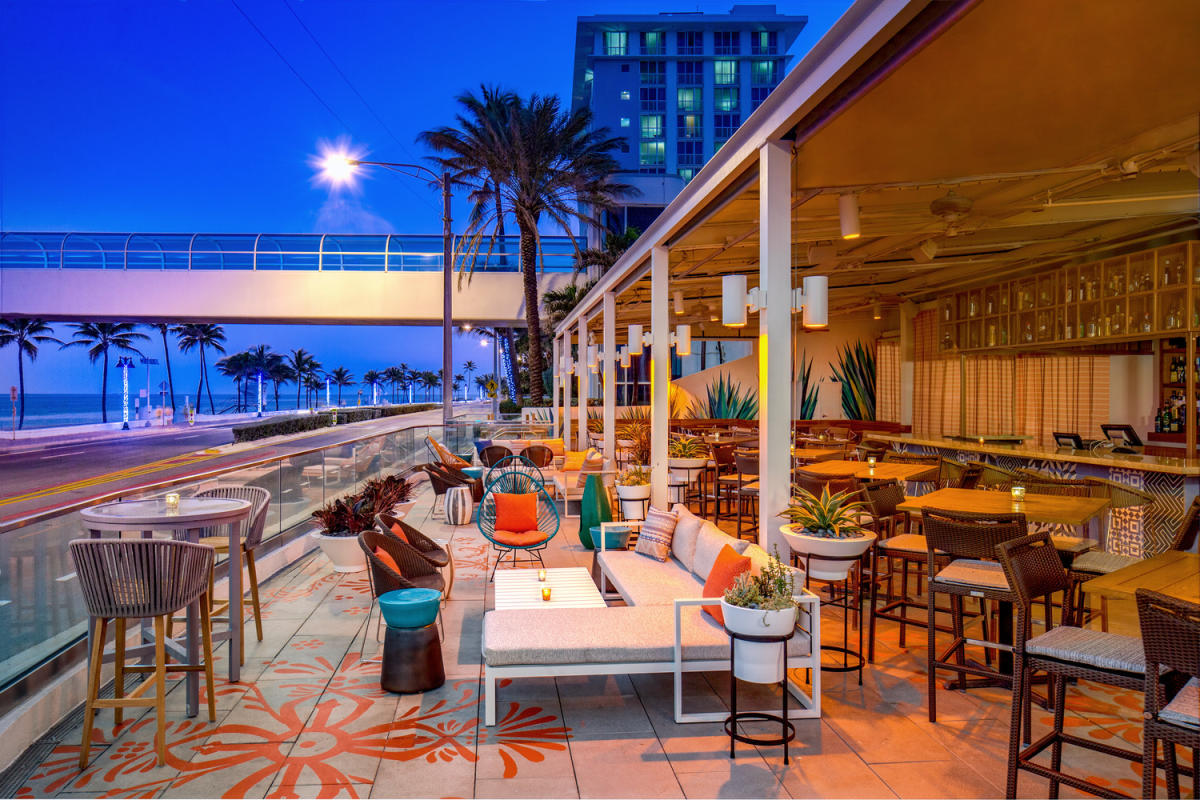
[593,509]
[617,538]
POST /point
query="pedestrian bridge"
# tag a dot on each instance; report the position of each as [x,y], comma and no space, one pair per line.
[379,279]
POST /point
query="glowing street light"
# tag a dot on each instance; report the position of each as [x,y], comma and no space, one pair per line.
[124,363]
[326,391]
[338,167]
[260,392]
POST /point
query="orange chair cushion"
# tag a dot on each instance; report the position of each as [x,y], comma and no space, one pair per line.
[721,577]
[398,532]
[448,458]
[516,512]
[521,539]
[388,561]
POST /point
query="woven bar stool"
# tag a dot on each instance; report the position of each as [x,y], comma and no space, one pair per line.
[1033,568]
[747,472]
[994,477]
[1170,632]
[925,481]
[130,579]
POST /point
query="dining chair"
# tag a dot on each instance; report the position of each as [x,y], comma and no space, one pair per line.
[492,454]
[746,463]
[922,482]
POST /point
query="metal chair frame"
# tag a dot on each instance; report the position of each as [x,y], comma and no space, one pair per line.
[547,519]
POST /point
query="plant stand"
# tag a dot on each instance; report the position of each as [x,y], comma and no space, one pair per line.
[852,660]
[787,729]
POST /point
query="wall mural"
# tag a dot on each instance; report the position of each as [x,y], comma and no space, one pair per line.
[855,371]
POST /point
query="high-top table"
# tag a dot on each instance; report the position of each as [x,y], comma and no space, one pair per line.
[188,521]
[1171,573]
[882,471]
[1078,512]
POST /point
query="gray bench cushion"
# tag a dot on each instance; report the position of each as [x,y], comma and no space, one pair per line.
[642,581]
[1184,708]
[615,635]
[1086,646]
[974,572]
[1101,563]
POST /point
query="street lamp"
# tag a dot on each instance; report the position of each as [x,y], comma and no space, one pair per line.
[260,394]
[340,168]
[124,363]
[327,379]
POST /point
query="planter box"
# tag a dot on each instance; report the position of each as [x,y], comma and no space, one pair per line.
[816,546]
[343,551]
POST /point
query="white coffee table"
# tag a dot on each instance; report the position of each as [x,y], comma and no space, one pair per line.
[570,587]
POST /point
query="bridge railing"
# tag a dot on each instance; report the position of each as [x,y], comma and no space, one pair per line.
[263,251]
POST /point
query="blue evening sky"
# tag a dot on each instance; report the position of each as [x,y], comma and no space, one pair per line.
[178,115]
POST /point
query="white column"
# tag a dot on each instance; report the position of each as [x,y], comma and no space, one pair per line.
[581,386]
[609,367]
[660,374]
[567,430]
[556,385]
[774,341]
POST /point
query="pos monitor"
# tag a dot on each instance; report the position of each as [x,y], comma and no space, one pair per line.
[1123,436]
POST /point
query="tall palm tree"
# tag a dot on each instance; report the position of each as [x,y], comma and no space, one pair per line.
[266,366]
[371,379]
[459,381]
[602,258]
[393,376]
[469,367]
[429,380]
[237,367]
[303,364]
[531,159]
[341,377]
[201,337]
[163,329]
[26,334]
[99,338]
[312,388]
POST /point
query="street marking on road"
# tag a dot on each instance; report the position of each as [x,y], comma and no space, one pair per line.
[63,455]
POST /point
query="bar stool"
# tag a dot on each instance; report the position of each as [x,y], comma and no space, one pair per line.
[124,579]
[925,481]
[747,473]
[722,464]
[1170,630]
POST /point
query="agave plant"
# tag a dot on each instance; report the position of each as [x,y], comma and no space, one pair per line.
[828,516]
[727,400]
[808,388]
[855,371]
[634,476]
[686,447]
[638,434]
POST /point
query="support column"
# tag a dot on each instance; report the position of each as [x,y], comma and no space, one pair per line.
[774,341]
[660,374]
[608,367]
[581,386]
[556,386]
[908,313]
[568,432]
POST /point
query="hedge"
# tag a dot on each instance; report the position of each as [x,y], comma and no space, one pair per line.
[300,423]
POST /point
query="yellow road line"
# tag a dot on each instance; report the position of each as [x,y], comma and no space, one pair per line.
[129,472]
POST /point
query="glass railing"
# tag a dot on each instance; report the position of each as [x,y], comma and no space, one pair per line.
[42,613]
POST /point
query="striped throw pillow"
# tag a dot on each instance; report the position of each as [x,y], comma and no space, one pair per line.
[654,540]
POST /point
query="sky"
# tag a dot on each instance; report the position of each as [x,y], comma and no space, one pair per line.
[203,115]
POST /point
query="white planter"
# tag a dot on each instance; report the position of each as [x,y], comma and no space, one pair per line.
[759,662]
[815,546]
[632,500]
[343,551]
[683,470]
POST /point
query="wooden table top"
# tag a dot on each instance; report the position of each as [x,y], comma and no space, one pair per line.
[1171,573]
[883,471]
[1037,507]
[816,453]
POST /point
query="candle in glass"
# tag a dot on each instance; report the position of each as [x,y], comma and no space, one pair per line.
[542,575]
[172,499]
[546,593]
[1018,493]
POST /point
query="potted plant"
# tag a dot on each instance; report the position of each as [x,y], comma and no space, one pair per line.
[633,488]
[761,605]
[827,525]
[390,495]
[341,522]
[685,454]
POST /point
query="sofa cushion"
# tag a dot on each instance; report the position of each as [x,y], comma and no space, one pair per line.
[708,543]
[515,512]
[687,529]
[614,635]
[520,538]
[728,567]
[654,539]
[641,581]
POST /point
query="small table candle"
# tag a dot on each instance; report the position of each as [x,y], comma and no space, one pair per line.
[172,500]
[1018,493]
[546,593]
[542,575]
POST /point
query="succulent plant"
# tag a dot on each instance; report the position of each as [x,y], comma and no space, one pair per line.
[686,447]
[769,590]
[828,516]
[634,476]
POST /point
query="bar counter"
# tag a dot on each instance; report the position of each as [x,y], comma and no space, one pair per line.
[1139,531]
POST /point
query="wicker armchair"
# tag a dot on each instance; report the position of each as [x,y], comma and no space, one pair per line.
[1170,631]
[416,571]
[430,550]
[925,481]
[491,454]
[815,482]
[994,477]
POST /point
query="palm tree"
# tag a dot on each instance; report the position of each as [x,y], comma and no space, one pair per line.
[393,376]
[265,365]
[312,388]
[430,381]
[201,336]
[469,367]
[163,329]
[459,380]
[302,364]
[531,159]
[558,303]
[237,367]
[615,245]
[482,381]
[99,338]
[341,377]
[26,334]
[280,373]
[371,379]
[413,377]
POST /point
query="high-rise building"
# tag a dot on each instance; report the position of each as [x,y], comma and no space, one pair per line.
[676,86]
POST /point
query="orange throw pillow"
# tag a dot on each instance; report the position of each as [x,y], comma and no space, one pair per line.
[516,512]
[721,577]
[388,561]
[399,533]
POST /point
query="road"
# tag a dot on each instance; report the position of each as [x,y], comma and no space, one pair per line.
[66,473]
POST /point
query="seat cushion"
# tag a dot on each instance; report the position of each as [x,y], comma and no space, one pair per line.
[519,538]
[687,530]
[906,543]
[654,538]
[643,581]
[1101,563]
[1184,708]
[1094,648]
[729,565]
[218,543]
[516,512]
[973,572]
[708,544]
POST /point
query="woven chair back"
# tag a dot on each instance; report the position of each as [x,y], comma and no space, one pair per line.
[961,534]
[1119,494]
[912,458]
[491,455]
[539,454]
[547,515]
[746,462]
[1060,488]
[971,475]
[410,561]
[514,464]
[1170,631]
[259,499]
[1189,529]
[814,482]
[883,497]
[1034,568]
[136,578]
[723,455]
[513,482]
[994,477]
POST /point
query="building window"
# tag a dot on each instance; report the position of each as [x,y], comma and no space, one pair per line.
[654,43]
[654,98]
[624,122]
[652,156]
[764,43]
[757,95]
[687,174]
[616,43]
[689,43]
[689,73]
[724,125]
[688,99]
[725,73]
[689,126]
[624,94]
[725,99]
[654,73]
[725,43]
[690,152]
[763,73]
[652,126]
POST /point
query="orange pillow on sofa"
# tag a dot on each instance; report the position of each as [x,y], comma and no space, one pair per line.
[721,577]
[516,512]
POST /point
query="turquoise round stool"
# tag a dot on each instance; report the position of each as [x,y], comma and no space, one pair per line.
[615,538]
[474,473]
[410,608]
[412,649]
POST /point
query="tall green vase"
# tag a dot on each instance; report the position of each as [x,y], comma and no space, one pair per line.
[593,509]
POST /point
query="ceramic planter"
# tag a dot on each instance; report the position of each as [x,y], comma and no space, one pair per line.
[849,548]
[631,499]
[343,551]
[400,510]
[759,662]
[683,470]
